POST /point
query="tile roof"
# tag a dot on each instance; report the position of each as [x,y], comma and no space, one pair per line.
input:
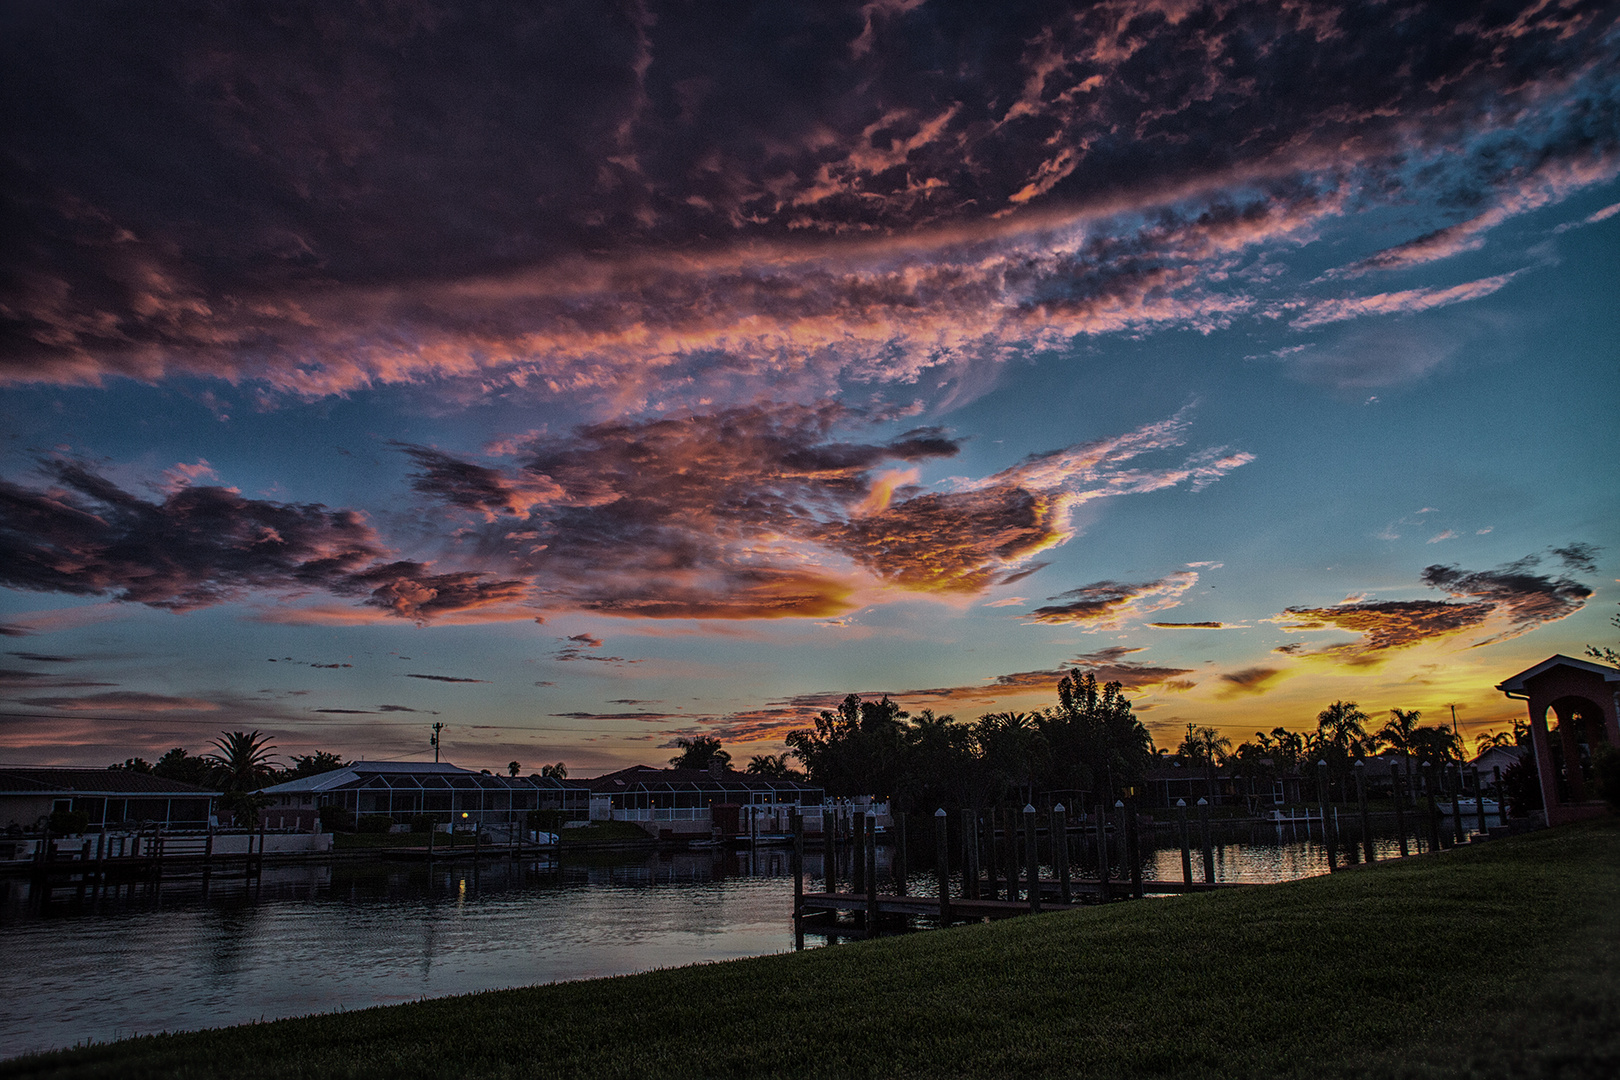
[16,779]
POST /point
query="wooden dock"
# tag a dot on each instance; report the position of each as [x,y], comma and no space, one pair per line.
[998,873]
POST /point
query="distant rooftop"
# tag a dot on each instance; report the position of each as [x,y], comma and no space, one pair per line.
[29,779]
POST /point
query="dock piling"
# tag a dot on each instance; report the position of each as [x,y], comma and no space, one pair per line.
[857,861]
[1322,799]
[1479,803]
[901,867]
[1361,801]
[1102,853]
[1186,842]
[970,855]
[942,856]
[870,826]
[1060,852]
[1032,856]
[1208,841]
[1397,789]
[798,880]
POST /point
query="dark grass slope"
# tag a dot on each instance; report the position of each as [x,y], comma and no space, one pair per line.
[1492,960]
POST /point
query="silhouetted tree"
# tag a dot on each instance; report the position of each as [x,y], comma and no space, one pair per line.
[774,766]
[243,760]
[134,764]
[181,766]
[513,768]
[320,761]
[698,751]
[558,771]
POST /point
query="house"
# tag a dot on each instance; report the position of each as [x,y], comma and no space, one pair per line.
[687,802]
[406,789]
[109,798]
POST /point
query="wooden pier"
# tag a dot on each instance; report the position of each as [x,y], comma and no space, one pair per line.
[998,869]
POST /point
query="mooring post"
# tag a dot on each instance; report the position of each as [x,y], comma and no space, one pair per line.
[798,879]
[1102,853]
[433,827]
[991,891]
[1361,799]
[1186,842]
[870,826]
[857,858]
[942,864]
[901,867]
[1434,808]
[1396,789]
[1458,831]
[1207,841]
[1133,835]
[1327,829]
[1479,803]
[1032,857]
[829,843]
[1501,803]
[1060,852]
[101,863]
[970,855]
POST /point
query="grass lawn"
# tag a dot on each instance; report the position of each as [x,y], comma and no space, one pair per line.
[1499,959]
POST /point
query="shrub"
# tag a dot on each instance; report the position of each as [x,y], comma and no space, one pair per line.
[374,823]
[1606,766]
[422,823]
[62,822]
[549,820]
[336,819]
[1522,787]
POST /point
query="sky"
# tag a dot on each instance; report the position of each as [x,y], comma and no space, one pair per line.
[588,376]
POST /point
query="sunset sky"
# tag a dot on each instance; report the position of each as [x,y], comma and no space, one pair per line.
[592,376]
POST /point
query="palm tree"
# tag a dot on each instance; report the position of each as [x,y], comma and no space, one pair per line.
[513,768]
[242,762]
[1399,733]
[698,751]
[558,771]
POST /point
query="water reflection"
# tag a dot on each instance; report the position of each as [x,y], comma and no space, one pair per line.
[173,955]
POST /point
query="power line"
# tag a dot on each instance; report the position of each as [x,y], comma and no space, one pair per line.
[207,722]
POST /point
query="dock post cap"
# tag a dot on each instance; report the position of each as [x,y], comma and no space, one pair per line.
[940,812]
[1181,802]
[1427,765]
[1029,808]
[1361,763]
[1058,808]
[1119,804]
[1203,801]
[1321,763]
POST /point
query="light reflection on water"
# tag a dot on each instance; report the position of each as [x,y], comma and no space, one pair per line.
[319,938]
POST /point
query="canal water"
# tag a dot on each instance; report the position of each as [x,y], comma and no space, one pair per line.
[317,938]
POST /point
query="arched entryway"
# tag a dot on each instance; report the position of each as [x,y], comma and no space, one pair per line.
[1581,696]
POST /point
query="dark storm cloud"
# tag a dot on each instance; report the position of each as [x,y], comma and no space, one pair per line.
[1107,605]
[1254,680]
[747,512]
[1513,594]
[1525,598]
[199,546]
[582,199]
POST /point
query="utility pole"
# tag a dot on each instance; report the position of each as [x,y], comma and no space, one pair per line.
[438,726]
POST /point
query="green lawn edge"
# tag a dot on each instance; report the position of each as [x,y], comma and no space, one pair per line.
[1495,959]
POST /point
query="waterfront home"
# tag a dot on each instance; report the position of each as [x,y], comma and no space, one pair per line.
[676,803]
[110,798]
[1582,696]
[403,790]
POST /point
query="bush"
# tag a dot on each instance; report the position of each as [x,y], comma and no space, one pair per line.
[1606,767]
[374,823]
[62,822]
[549,820]
[424,823]
[336,819]
[1522,787]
